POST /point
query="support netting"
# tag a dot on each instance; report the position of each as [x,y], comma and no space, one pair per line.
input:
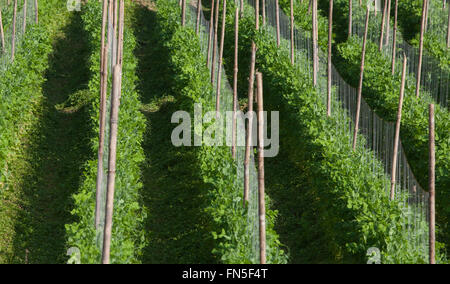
[376,139]
[25,17]
[251,237]
[435,78]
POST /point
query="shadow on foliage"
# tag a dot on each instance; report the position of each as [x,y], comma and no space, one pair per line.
[57,151]
[173,190]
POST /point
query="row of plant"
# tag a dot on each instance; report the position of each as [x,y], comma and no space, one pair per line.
[127,234]
[410,19]
[21,82]
[381,91]
[23,99]
[348,209]
[226,219]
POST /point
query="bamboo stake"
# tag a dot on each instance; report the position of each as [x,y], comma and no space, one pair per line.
[36,11]
[211,28]
[431,185]
[388,20]
[380,47]
[443,4]
[2,35]
[350,11]
[114,38]
[24,21]
[242,8]
[397,130]
[13,46]
[395,38]
[315,46]
[419,65]
[277,16]
[426,16]
[261,189]
[115,101]
[183,12]
[361,76]
[264,12]
[216,26]
[292,32]
[120,33]
[448,28]
[102,118]
[235,80]
[251,82]
[199,8]
[330,42]
[219,72]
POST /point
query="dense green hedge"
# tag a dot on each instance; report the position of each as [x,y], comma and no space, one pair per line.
[227,219]
[381,91]
[127,234]
[349,210]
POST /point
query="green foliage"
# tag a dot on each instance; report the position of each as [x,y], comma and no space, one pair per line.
[381,91]
[227,219]
[348,209]
[127,236]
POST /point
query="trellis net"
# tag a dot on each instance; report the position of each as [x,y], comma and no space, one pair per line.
[25,16]
[376,135]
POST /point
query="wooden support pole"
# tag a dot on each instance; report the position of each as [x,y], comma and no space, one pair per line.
[2,35]
[183,13]
[292,32]
[350,12]
[114,116]
[397,130]
[115,101]
[394,43]
[242,8]
[36,11]
[235,81]
[102,115]
[120,33]
[114,38]
[330,42]
[211,28]
[388,20]
[216,27]
[219,72]
[383,19]
[264,12]
[315,45]
[248,140]
[199,9]
[426,16]
[13,44]
[24,20]
[361,76]
[448,28]
[261,189]
[419,65]
[431,186]
[277,17]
